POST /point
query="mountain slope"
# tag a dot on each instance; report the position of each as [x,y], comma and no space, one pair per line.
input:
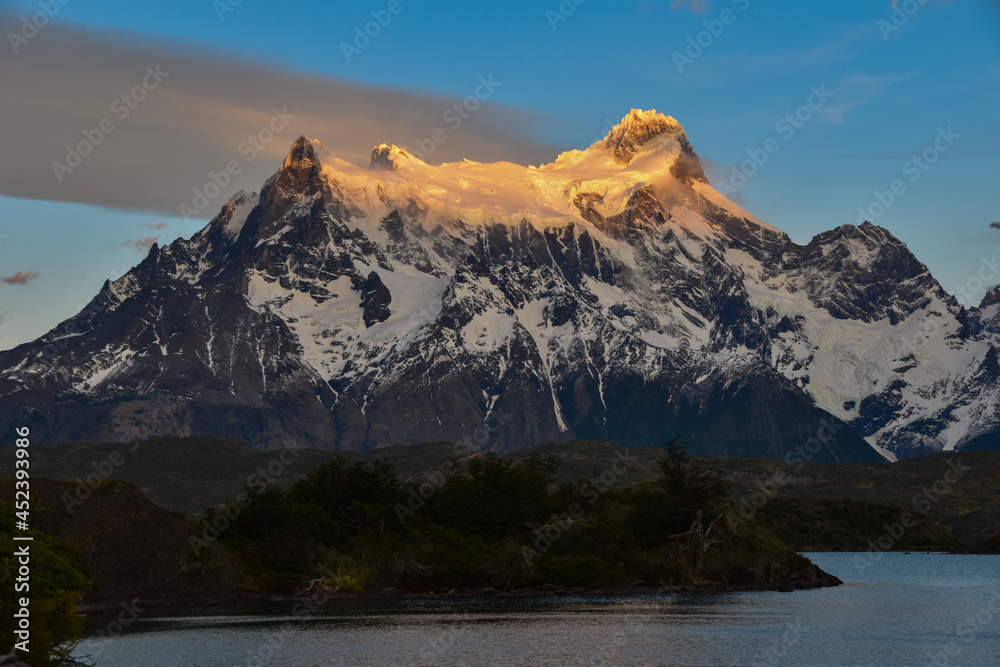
[611,294]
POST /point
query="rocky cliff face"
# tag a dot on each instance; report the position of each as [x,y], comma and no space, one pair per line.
[611,294]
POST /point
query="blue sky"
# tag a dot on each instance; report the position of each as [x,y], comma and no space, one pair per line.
[892,85]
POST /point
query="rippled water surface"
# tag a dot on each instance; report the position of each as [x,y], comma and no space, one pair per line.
[903,609]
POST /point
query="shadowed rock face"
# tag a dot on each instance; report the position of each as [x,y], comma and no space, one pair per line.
[876,276]
[991,298]
[375,300]
[310,315]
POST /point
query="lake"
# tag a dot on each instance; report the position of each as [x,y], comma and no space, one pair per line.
[901,609]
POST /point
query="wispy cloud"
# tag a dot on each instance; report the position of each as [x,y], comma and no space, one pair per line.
[722,66]
[858,89]
[20,278]
[895,3]
[699,7]
[141,245]
[159,225]
[197,118]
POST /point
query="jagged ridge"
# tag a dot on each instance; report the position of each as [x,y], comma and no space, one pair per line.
[611,294]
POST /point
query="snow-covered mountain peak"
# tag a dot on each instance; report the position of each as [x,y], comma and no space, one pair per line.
[643,132]
[300,154]
[298,171]
[385,157]
[991,298]
[647,152]
[635,130]
[609,294]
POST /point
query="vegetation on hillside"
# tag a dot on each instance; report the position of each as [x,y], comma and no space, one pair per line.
[820,524]
[53,585]
[189,474]
[500,523]
[990,546]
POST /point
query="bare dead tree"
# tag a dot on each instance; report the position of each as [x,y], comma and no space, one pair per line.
[700,539]
[312,583]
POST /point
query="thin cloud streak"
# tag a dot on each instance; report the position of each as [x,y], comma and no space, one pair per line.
[716,68]
[142,245]
[20,278]
[195,119]
[699,7]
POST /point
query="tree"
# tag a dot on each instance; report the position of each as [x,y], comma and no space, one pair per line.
[497,496]
[359,496]
[684,478]
[693,487]
[56,582]
[700,540]
[278,535]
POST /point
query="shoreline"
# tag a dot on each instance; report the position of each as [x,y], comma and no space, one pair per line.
[197,605]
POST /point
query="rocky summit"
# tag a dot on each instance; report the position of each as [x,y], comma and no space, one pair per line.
[612,294]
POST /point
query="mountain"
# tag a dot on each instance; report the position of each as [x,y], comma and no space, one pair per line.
[612,294]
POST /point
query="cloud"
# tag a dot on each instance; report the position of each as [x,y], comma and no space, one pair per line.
[19,278]
[142,245]
[159,225]
[194,121]
[3,316]
[719,67]
[699,7]
[939,3]
[972,145]
[856,90]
